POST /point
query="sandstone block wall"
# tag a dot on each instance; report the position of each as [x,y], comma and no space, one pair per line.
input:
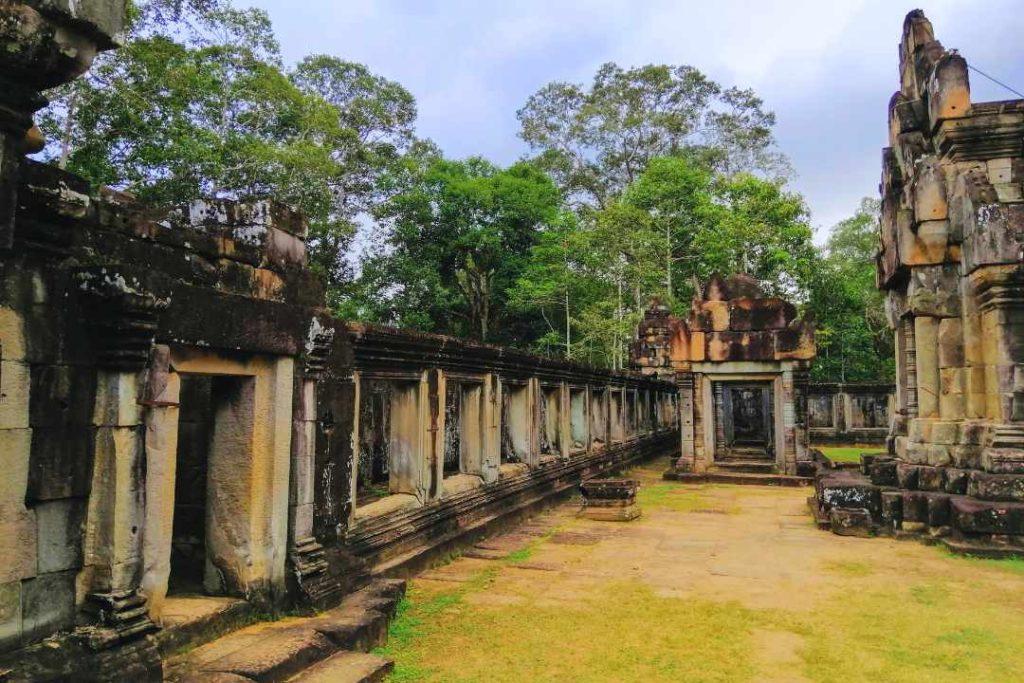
[950,262]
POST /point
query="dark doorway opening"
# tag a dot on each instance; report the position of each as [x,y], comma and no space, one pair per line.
[744,416]
[195,429]
[214,429]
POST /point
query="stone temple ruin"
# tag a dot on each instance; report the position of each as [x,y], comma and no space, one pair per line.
[182,419]
[741,361]
[180,415]
[951,263]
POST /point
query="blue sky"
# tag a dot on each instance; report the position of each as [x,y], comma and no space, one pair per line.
[827,69]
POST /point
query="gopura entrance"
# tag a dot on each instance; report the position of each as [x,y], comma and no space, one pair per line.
[740,360]
[743,420]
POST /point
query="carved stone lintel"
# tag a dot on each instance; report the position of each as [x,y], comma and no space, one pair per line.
[120,615]
[310,572]
[123,314]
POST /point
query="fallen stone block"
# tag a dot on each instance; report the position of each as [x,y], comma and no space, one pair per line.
[987,517]
[851,522]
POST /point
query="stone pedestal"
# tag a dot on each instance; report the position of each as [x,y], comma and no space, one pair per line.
[610,500]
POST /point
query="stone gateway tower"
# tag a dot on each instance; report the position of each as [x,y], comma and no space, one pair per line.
[951,262]
[740,360]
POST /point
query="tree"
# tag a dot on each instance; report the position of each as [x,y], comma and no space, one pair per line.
[453,242]
[854,342]
[597,141]
[198,103]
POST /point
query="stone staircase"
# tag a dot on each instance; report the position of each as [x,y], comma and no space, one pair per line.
[333,645]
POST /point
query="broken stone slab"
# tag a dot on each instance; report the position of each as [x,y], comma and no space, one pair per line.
[988,486]
[851,522]
[610,500]
[987,517]
[1003,460]
[347,667]
[844,489]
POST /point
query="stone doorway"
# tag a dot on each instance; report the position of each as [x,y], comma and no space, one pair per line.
[215,427]
[744,418]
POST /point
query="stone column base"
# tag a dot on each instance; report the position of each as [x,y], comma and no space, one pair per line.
[121,616]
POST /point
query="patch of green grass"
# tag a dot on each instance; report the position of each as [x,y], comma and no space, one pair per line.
[850,567]
[521,555]
[847,453]
[620,632]
[1013,565]
[678,498]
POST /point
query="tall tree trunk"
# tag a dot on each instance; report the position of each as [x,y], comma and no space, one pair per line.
[65,140]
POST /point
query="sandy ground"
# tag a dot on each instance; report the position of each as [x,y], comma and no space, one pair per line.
[752,550]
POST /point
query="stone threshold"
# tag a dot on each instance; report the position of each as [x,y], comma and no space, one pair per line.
[739,478]
[333,645]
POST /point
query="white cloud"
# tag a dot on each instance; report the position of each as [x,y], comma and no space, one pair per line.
[827,68]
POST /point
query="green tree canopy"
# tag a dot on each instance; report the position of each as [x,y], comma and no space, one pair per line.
[452,243]
[198,103]
[596,141]
[854,342]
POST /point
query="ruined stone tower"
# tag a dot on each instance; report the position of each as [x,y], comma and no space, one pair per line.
[951,263]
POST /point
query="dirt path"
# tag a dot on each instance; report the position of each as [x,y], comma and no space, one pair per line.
[712,583]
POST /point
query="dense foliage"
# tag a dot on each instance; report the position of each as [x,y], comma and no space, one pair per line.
[643,183]
[854,341]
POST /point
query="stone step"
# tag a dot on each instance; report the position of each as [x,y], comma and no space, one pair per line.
[741,478]
[751,466]
[282,650]
[346,667]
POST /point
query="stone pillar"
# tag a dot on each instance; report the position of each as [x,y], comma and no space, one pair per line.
[161,403]
[908,332]
[308,567]
[123,317]
[687,454]
[491,420]
[564,421]
[801,433]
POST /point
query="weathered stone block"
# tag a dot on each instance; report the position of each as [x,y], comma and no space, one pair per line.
[760,314]
[926,337]
[12,335]
[938,455]
[117,400]
[892,509]
[916,454]
[1003,460]
[48,604]
[987,517]
[944,432]
[14,461]
[10,615]
[14,394]
[938,510]
[987,486]
[61,462]
[883,472]
[907,476]
[915,506]
[934,291]
[59,534]
[62,395]
[951,343]
[851,522]
[929,190]
[17,542]
[954,480]
[929,478]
